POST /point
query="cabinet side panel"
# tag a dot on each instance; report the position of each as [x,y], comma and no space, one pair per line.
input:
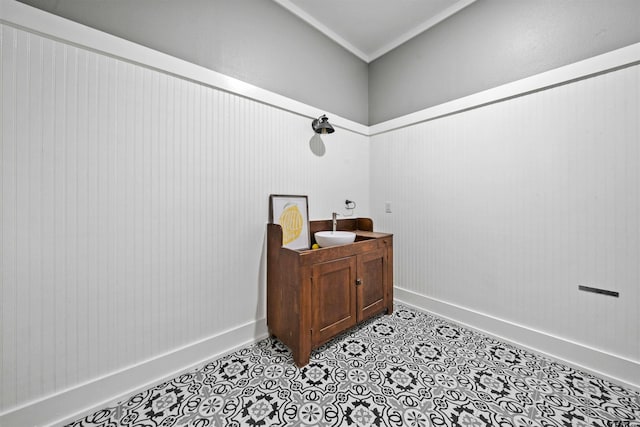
[274,286]
[283,307]
[389,272]
[288,308]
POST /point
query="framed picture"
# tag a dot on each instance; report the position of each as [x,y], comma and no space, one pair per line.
[292,214]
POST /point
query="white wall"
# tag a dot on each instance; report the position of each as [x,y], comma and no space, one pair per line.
[133,210]
[494,42]
[134,205]
[256,41]
[503,210]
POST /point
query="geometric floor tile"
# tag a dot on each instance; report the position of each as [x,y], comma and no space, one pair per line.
[407,369]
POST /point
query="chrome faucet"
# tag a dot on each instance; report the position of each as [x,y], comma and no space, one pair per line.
[334,219]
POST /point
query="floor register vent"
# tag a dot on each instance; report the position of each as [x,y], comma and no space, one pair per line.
[598,291]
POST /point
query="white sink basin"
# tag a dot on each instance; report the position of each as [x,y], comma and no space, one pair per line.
[334,238]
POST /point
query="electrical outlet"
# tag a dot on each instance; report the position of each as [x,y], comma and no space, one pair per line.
[387,207]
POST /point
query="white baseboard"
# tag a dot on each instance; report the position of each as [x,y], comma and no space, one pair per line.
[74,403]
[614,368]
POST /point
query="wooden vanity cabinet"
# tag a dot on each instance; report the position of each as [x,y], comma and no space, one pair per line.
[313,295]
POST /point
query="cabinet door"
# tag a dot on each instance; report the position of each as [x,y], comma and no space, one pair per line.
[372,283]
[333,298]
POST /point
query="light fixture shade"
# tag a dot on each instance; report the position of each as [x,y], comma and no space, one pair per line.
[322,125]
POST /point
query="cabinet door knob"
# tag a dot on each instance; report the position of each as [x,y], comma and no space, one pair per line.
[358,281]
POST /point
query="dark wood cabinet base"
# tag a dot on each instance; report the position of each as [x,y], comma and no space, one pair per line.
[313,295]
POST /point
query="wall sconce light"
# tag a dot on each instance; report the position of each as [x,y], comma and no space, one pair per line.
[322,125]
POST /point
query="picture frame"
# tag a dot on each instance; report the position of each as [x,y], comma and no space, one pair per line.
[291,212]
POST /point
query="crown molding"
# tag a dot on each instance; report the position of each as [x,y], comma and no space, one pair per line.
[369,57]
[455,8]
[287,4]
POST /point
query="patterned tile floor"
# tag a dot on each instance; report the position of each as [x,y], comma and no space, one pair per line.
[408,369]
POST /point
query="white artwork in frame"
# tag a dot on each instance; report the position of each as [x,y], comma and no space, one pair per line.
[292,214]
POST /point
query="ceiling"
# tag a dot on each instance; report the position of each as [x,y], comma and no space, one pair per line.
[371,28]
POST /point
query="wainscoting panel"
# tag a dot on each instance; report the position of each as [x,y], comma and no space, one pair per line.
[134,201]
[507,208]
[133,211]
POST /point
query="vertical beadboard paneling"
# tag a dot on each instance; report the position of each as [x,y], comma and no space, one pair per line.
[35,217]
[9,230]
[82,189]
[506,208]
[22,200]
[133,210]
